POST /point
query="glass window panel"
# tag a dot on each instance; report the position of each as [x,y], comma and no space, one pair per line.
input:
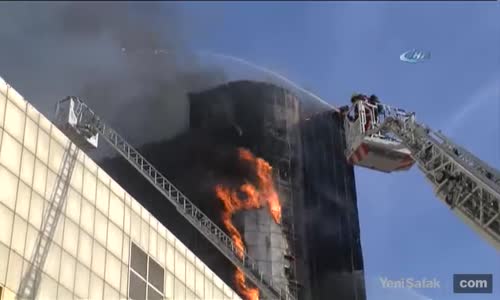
[14,121]
[145,215]
[70,242]
[30,135]
[36,210]
[16,98]
[156,275]
[170,257]
[77,177]
[161,250]
[116,207]
[126,225]
[6,223]
[180,266]
[40,177]
[117,189]
[48,288]
[19,236]
[169,285]
[110,293]
[73,205]
[101,228]
[63,293]
[96,287]
[136,207]
[33,113]
[87,217]
[199,264]
[89,188]
[137,289]
[115,239]
[51,266]
[31,237]
[124,284]
[218,294]
[82,280]
[103,177]
[98,259]
[113,271]
[8,186]
[90,165]
[128,199]
[218,282]
[180,247]
[228,293]
[179,290]
[126,249]
[80,158]
[153,222]
[45,123]
[23,200]
[190,275]
[14,273]
[153,294]
[4,253]
[199,284]
[145,235]
[68,265]
[10,156]
[190,256]
[50,185]
[162,231]
[190,295]
[55,156]
[58,136]
[85,249]
[170,237]
[135,228]
[3,102]
[153,247]
[102,200]
[138,260]
[42,146]
[27,166]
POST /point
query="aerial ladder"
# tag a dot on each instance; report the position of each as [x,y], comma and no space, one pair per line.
[389,139]
[28,287]
[84,127]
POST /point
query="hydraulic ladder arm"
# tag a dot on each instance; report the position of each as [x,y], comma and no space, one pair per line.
[467,185]
[28,288]
[89,124]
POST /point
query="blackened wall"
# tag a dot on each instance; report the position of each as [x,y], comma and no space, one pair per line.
[330,236]
[327,227]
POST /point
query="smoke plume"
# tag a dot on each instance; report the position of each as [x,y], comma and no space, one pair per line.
[109,54]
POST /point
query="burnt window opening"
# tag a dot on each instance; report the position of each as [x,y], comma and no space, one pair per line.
[146,276]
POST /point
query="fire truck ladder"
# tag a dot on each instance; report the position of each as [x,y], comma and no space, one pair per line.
[28,288]
[88,121]
[469,186]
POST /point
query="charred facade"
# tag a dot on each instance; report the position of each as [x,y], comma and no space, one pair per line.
[315,250]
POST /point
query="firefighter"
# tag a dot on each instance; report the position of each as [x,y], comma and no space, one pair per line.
[378,109]
[356,97]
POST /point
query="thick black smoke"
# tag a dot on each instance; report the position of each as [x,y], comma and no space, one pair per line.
[107,53]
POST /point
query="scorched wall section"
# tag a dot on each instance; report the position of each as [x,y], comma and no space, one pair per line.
[330,236]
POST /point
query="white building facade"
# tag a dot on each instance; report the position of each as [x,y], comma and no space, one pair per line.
[105,246]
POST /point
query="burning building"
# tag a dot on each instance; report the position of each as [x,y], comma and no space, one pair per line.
[308,240]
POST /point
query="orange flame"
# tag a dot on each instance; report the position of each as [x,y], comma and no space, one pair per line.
[255,197]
